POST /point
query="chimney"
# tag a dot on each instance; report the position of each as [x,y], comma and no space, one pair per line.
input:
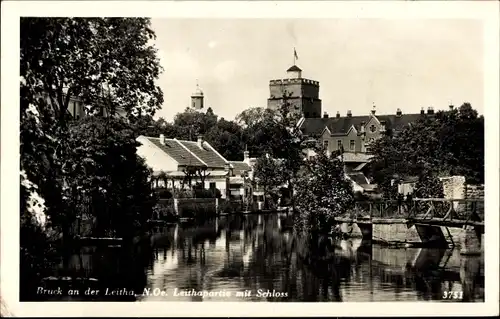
[349,114]
[422,111]
[200,141]
[162,139]
[246,156]
[338,114]
[362,129]
[398,112]
[325,115]
[430,110]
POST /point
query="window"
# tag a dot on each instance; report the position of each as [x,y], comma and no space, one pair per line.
[194,105]
[212,185]
[373,128]
[352,145]
[325,145]
[339,144]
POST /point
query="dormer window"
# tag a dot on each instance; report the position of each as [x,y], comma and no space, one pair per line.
[372,128]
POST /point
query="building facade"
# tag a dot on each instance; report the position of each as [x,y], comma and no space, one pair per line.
[172,158]
[355,133]
[302,94]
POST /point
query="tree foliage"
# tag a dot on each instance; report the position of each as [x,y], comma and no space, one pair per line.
[106,178]
[447,143]
[93,59]
[109,65]
[227,138]
[268,174]
[323,193]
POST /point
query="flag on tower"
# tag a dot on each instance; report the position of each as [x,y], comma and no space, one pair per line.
[295,54]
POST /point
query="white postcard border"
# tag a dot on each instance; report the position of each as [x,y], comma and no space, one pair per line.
[12,10]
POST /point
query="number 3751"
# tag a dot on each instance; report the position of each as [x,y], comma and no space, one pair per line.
[453,295]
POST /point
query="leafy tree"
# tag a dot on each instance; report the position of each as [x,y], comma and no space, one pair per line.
[267,174]
[191,123]
[286,143]
[253,116]
[107,179]
[448,143]
[263,132]
[189,175]
[322,193]
[226,138]
[94,59]
[109,65]
[429,186]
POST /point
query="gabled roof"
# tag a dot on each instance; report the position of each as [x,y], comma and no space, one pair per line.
[175,150]
[188,153]
[294,68]
[239,166]
[206,153]
[341,125]
[358,178]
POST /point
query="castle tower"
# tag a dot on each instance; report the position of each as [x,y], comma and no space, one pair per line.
[303,94]
[197,98]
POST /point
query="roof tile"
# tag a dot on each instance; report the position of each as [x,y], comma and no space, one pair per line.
[240,166]
[206,154]
[176,151]
[341,125]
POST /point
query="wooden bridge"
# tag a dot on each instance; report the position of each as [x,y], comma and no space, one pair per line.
[428,215]
[428,211]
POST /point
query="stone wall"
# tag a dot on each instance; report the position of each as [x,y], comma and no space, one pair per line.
[190,207]
[395,233]
[453,187]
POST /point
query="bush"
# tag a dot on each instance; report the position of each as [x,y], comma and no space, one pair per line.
[207,193]
[165,194]
[226,207]
[184,193]
[359,196]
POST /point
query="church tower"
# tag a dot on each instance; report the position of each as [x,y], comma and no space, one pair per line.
[197,99]
[303,94]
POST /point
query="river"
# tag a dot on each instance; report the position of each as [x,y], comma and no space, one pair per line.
[258,254]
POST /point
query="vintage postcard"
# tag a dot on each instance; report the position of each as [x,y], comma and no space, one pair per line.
[249,158]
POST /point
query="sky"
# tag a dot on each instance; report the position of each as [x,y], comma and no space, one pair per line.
[406,64]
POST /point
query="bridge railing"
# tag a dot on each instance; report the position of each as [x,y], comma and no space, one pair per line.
[447,209]
[378,209]
[419,208]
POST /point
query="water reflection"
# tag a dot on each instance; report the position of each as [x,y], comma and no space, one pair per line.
[259,253]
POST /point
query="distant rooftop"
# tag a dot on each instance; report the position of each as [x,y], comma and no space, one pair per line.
[294,68]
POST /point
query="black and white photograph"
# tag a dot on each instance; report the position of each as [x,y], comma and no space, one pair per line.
[254,159]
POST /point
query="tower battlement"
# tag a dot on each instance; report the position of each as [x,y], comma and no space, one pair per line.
[303,94]
[293,81]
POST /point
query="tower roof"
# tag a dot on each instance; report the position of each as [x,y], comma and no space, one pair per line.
[198,91]
[294,68]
